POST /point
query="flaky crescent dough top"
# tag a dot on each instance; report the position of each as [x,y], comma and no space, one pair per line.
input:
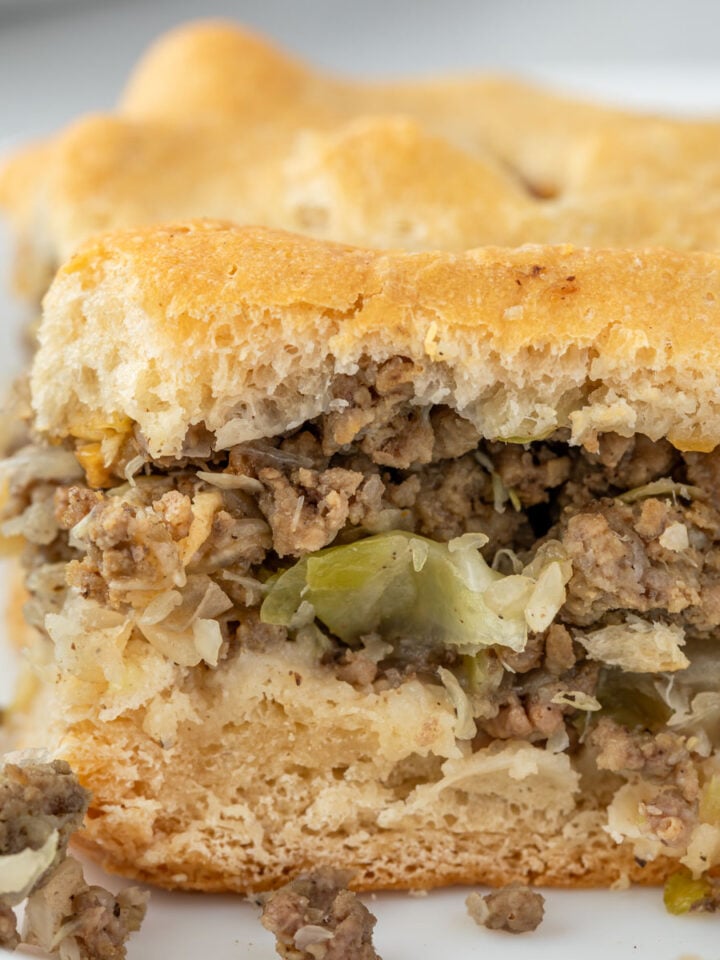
[245,330]
[216,122]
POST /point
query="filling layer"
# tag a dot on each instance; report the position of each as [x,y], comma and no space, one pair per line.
[565,597]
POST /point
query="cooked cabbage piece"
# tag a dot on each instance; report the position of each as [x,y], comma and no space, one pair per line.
[632,700]
[398,585]
[664,487]
[683,893]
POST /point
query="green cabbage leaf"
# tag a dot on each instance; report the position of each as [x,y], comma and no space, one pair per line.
[398,584]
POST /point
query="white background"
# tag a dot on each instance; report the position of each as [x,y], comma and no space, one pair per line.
[60,59]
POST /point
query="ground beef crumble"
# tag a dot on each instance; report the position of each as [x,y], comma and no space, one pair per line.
[621,563]
[35,799]
[64,916]
[377,462]
[74,503]
[308,509]
[662,759]
[532,473]
[449,499]
[299,493]
[127,544]
[620,464]
[315,917]
[514,908]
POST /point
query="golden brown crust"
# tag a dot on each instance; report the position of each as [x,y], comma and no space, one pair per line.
[216,122]
[246,329]
[601,861]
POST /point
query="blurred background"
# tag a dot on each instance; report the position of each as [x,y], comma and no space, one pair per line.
[62,57]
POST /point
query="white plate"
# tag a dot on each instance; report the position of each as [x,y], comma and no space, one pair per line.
[582,925]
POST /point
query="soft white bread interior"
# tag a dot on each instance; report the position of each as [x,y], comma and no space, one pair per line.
[216,122]
[246,330]
[235,778]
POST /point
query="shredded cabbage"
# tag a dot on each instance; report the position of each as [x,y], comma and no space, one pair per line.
[204,508]
[312,935]
[230,481]
[465,728]
[577,699]
[687,701]
[637,646]
[632,700]
[501,493]
[182,625]
[77,534]
[675,537]
[208,640]
[662,488]
[626,820]
[132,467]
[37,523]
[481,673]
[401,585]
[547,596]
[41,463]
[710,801]
[161,606]
[692,696]
[682,892]
[559,741]
[19,872]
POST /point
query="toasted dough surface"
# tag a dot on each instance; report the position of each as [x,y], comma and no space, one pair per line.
[216,122]
[246,331]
